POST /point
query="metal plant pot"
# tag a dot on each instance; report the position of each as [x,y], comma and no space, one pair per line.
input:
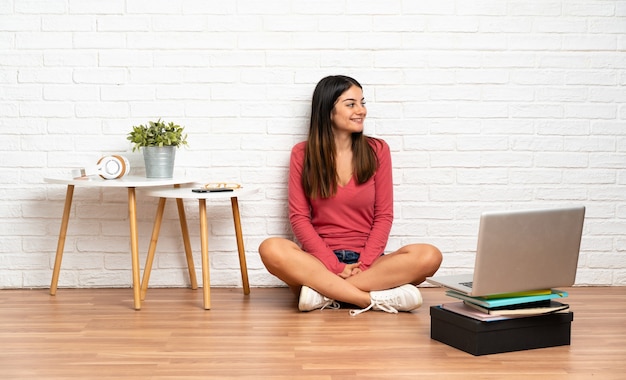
[159,161]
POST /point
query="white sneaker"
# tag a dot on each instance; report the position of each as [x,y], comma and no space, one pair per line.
[312,300]
[403,298]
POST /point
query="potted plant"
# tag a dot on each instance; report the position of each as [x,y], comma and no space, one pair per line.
[159,141]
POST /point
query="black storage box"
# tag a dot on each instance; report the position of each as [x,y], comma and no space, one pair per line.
[482,338]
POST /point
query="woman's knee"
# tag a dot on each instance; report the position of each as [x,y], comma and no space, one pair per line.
[275,249]
[432,258]
[427,256]
[269,246]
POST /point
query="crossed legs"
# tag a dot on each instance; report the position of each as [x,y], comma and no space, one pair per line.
[410,264]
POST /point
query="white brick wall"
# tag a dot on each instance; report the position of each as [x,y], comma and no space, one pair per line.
[486,104]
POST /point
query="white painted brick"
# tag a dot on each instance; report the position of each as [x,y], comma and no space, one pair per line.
[607,78]
[127,93]
[511,93]
[536,111]
[591,144]
[590,111]
[35,7]
[125,23]
[537,77]
[102,109]
[45,76]
[609,160]
[444,7]
[269,7]
[48,40]
[429,110]
[383,23]
[561,94]
[535,176]
[565,25]
[396,58]
[453,24]
[174,23]
[564,61]
[99,76]
[590,42]
[95,279]
[46,109]
[602,25]
[96,7]
[421,143]
[6,41]
[562,160]
[71,93]
[534,143]
[424,177]
[483,110]
[164,109]
[497,159]
[452,160]
[451,41]
[534,8]
[20,60]
[125,58]
[606,95]
[482,176]
[561,194]
[19,24]
[9,110]
[21,92]
[482,143]
[588,177]
[67,24]
[464,127]
[559,127]
[211,8]
[70,58]
[586,9]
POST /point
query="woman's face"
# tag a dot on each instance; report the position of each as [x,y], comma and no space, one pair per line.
[349,112]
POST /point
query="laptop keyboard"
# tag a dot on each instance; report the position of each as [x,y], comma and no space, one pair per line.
[468,284]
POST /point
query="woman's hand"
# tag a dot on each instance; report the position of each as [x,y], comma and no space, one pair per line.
[350,270]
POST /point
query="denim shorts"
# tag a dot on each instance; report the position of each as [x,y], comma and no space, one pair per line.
[347,256]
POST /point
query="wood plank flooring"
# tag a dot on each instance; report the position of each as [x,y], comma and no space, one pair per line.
[96,334]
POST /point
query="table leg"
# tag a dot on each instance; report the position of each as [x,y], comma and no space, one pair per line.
[61,243]
[153,244]
[134,246]
[204,247]
[188,252]
[242,252]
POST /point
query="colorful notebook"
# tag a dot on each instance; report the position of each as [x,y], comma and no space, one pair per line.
[506,301]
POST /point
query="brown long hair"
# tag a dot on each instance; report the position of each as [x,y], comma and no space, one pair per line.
[319,175]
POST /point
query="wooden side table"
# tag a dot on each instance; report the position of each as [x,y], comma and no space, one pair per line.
[179,194]
[129,182]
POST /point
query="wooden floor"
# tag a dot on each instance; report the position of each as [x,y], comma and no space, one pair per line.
[96,334]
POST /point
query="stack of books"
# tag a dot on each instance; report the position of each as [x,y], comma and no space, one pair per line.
[508,306]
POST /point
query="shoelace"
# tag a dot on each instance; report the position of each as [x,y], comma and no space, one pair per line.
[331,304]
[380,305]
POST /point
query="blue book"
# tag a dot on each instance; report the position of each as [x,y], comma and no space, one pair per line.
[507,301]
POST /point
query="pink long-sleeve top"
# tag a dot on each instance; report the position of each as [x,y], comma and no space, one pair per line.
[357,218]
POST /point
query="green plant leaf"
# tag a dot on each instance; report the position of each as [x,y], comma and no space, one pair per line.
[157,133]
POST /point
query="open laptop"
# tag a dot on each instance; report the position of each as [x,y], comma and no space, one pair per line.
[522,250]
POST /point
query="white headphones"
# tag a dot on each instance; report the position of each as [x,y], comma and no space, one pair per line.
[113,167]
[107,167]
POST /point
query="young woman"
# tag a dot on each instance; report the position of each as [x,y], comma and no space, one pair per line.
[341,210]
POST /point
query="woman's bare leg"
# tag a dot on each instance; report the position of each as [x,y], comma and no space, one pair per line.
[285,260]
[410,264]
